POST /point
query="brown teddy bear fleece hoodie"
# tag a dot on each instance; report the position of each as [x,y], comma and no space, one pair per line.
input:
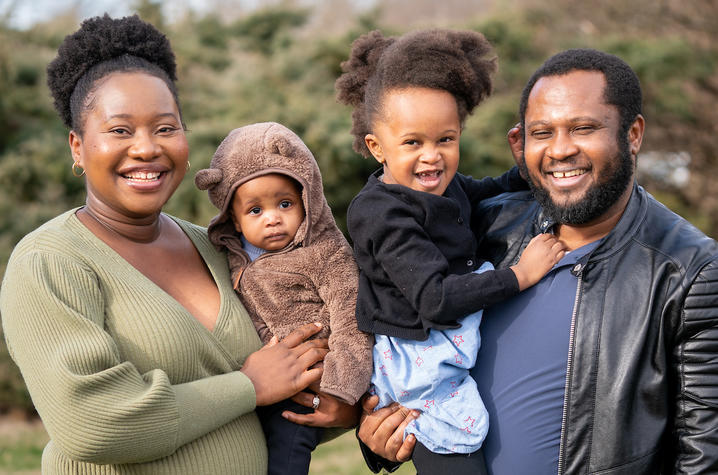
[314,278]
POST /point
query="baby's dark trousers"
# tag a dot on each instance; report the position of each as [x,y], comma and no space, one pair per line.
[289,445]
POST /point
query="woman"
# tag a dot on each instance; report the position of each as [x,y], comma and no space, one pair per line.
[137,354]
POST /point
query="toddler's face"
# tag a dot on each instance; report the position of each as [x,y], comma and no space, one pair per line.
[416,138]
[268,210]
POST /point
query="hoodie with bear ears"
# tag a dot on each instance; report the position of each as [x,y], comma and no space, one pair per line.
[314,278]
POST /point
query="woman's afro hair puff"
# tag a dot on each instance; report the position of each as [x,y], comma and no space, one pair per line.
[101,39]
[456,61]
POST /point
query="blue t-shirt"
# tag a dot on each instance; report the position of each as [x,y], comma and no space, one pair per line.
[521,372]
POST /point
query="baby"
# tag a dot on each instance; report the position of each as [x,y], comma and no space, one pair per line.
[290,264]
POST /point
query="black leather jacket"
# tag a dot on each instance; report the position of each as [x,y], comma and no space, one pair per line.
[642,378]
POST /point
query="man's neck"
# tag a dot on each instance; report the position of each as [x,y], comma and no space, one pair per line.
[578,235]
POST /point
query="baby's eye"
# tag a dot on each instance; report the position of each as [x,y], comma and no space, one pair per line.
[285,204]
[411,142]
[446,139]
[255,211]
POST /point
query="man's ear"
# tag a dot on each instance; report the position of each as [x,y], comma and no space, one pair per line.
[635,135]
[372,143]
[75,142]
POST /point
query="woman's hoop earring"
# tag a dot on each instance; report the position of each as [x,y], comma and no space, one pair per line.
[188,165]
[75,166]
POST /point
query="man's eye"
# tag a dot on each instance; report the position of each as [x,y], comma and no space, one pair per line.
[540,134]
[256,210]
[584,129]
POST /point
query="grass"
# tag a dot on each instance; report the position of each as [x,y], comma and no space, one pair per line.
[21,445]
[342,456]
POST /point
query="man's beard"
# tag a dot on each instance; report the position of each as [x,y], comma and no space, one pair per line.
[599,197]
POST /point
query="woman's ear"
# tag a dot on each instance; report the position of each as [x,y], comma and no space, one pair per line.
[372,143]
[75,142]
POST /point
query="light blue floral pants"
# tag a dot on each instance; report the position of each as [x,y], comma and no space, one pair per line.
[432,376]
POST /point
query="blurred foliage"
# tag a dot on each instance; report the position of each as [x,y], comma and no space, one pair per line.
[279,63]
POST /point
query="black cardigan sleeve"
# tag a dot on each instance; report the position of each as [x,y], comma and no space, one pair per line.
[477,190]
[395,251]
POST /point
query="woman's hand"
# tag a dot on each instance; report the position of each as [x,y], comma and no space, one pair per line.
[283,369]
[331,412]
[383,430]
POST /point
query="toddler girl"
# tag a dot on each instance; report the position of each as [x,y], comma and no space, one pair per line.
[421,286]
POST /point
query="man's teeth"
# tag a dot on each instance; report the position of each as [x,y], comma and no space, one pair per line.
[143,175]
[568,173]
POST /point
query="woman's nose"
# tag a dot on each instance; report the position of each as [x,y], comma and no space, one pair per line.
[144,146]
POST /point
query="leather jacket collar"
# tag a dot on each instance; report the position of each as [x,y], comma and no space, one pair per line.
[619,236]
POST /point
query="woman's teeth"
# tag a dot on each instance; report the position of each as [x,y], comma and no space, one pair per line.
[143,175]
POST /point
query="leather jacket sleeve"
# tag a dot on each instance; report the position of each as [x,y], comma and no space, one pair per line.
[696,369]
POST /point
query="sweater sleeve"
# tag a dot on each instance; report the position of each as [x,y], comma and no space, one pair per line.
[387,235]
[95,406]
[348,365]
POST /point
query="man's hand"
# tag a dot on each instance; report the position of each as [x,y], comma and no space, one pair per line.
[383,430]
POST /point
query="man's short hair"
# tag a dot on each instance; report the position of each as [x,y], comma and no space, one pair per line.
[623,88]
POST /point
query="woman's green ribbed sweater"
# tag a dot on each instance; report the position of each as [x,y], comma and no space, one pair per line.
[124,378]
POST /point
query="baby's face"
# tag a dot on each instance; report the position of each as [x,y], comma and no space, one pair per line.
[268,210]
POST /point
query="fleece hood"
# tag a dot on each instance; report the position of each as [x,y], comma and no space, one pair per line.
[252,151]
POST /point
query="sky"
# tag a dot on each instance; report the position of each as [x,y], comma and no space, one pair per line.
[23,13]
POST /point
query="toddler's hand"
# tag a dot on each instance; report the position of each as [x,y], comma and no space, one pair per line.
[542,253]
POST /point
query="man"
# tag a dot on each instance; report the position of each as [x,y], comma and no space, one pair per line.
[610,364]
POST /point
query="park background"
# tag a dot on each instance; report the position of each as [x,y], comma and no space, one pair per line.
[249,61]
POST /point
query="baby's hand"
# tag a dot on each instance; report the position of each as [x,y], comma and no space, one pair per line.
[542,253]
